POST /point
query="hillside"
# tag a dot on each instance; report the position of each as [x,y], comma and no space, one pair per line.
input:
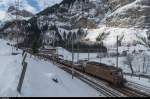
[127,18]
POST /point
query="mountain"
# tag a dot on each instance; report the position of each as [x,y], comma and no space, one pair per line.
[12,10]
[129,13]
[10,15]
[8,26]
[87,20]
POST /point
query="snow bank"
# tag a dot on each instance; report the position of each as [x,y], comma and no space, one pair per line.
[10,70]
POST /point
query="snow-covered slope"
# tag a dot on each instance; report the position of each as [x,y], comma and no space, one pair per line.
[39,82]
[130,35]
[10,70]
[38,79]
[133,14]
[127,18]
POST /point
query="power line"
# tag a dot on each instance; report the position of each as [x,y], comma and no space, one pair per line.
[17,7]
[117,53]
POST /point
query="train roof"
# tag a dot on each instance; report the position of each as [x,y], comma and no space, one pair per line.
[104,66]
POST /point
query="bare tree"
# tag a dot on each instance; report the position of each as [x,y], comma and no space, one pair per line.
[144,40]
[120,39]
[102,37]
[128,61]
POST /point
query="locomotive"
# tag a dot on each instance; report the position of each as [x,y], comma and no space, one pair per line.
[108,73]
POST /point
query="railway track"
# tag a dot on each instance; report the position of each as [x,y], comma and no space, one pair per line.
[99,86]
[107,91]
[139,87]
[102,88]
[130,92]
[134,91]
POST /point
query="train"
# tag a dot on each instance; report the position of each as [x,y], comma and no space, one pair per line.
[105,72]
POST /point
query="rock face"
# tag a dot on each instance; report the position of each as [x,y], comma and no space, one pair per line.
[132,13]
[115,4]
[22,13]
[91,13]
[11,28]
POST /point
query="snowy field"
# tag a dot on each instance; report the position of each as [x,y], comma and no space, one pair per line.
[38,82]
[39,78]
[142,81]
[10,70]
[130,34]
[137,62]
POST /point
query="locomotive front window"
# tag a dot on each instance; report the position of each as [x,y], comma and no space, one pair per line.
[116,73]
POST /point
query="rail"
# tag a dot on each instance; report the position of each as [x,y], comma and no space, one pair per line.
[108,92]
[139,87]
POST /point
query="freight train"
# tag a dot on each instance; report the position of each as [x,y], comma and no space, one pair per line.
[110,74]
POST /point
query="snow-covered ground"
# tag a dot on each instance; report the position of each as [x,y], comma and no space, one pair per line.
[142,81]
[38,79]
[39,82]
[10,70]
[137,62]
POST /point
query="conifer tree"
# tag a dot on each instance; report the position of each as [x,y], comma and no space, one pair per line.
[35,47]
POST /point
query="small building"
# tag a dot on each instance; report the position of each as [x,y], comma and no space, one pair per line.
[141,51]
[125,53]
[100,55]
[48,50]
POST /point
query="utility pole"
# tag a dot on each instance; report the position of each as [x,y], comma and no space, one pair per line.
[88,54]
[72,58]
[117,53]
[78,48]
[78,56]
[53,40]
[47,23]
[144,64]
[17,4]
[100,53]
[86,33]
